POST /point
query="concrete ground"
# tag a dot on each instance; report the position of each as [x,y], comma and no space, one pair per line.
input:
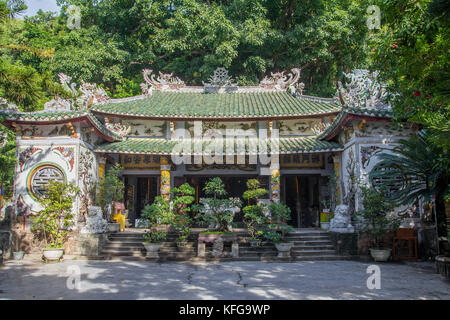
[231,280]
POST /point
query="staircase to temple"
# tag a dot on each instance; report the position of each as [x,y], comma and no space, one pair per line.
[313,244]
[309,245]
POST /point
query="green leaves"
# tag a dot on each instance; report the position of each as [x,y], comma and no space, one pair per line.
[54,221]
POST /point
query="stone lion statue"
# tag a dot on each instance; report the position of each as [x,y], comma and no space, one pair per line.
[342,220]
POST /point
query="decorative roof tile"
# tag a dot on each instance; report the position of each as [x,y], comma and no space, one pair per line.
[165,147]
[195,105]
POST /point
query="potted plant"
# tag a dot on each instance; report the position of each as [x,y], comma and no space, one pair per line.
[110,191]
[278,228]
[254,213]
[183,197]
[154,239]
[158,215]
[217,211]
[325,214]
[376,219]
[55,220]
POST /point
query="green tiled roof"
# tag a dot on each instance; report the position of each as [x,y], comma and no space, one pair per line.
[196,105]
[353,111]
[165,147]
[54,116]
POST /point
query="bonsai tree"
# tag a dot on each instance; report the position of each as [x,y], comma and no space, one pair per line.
[55,219]
[220,214]
[183,197]
[110,188]
[377,216]
[254,212]
[280,215]
[158,213]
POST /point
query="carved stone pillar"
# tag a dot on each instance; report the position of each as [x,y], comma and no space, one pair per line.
[165,178]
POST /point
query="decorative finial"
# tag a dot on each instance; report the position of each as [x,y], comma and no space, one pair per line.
[363,91]
[280,81]
[165,81]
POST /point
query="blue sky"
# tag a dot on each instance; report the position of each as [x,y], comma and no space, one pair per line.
[35,5]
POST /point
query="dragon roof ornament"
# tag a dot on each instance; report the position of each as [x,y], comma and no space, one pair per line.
[165,81]
[363,91]
[7,106]
[86,95]
[281,81]
[117,128]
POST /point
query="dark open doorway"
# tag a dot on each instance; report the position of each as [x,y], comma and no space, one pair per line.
[302,197]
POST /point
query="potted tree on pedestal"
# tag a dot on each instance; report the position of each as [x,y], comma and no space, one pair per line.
[217,212]
[277,230]
[376,219]
[254,213]
[55,220]
[183,197]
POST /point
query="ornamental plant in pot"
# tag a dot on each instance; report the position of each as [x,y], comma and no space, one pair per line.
[158,215]
[376,219]
[154,238]
[254,216]
[110,190]
[183,197]
[278,229]
[55,220]
[217,212]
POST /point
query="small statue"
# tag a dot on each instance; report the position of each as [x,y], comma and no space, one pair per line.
[342,221]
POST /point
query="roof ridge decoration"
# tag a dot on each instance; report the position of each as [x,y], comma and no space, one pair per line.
[117,128]
[280,81]
[165,81]
[85,96]
[8,106]
[220,82]
[364,91]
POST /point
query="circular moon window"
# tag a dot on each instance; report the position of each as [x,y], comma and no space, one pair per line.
[40,178]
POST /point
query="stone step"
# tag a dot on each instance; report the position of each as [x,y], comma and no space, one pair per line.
[313,247]
[312,252]
[123,249]
[321,257]
[312,243]
[307,238]
[115,252]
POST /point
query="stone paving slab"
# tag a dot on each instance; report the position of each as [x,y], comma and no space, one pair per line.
[318,280]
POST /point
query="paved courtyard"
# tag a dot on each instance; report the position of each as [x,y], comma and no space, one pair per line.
[234,280]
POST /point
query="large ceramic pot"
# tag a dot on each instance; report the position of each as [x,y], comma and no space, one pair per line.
[113,227]
[53,254]
[443,266]
[152,250]
[284,249]
[181,246]
[380,255]
[325,225]
[18,255]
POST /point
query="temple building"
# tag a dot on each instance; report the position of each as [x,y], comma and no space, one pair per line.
[315,149]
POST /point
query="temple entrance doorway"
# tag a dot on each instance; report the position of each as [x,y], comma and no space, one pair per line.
[302,197]
[139,192]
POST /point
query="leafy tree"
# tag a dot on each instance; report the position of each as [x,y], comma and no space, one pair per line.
[377,216]
[56,218]
[110,188]
[254,212]
[419,164]
[217,210]
[158,213]
[411,51]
